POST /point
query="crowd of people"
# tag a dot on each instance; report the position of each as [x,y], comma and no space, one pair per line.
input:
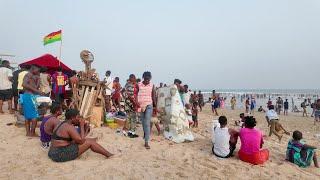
[251,149]
[66,139]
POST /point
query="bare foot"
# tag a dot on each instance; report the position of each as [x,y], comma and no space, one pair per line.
[110,155]
[147,146]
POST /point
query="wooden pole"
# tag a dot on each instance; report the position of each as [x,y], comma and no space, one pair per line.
[60,50]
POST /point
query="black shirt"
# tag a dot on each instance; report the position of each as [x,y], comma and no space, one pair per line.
[286,105]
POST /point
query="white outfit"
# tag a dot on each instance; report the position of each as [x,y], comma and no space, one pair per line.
[5,83]
[271,114]
[222,138]
[186,97]
[109,84]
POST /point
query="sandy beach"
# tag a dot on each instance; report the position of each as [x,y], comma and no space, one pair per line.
[22,157]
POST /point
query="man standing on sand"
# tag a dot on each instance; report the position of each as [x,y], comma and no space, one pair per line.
[31,85]
[247,105]
[304,107]
[108,82]
[233,102]
[130,94]
[59,82]
[201,100]
[15,84]
[45,82]
[5,85]
[286,107]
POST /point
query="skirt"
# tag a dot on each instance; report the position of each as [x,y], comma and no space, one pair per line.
[256,158]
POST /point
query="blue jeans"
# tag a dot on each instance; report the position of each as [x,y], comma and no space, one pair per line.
[146,120]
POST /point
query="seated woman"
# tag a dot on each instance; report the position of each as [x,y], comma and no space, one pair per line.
[300,153]
[48,124]
[67,144]
[225,139]
[251,142]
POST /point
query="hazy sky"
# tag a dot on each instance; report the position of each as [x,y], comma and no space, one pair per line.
[206,43]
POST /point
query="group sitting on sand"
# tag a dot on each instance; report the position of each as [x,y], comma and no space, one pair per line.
[225,140]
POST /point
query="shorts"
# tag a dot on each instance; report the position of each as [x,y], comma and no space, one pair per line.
[317,114]
[232,148]
[6,94]
[30,107]
[63,154]
[195,118]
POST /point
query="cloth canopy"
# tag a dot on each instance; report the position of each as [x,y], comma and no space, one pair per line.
[48,61]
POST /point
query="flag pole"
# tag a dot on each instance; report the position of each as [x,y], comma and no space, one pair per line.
[60,50]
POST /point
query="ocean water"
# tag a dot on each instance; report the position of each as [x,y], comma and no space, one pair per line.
[294,96]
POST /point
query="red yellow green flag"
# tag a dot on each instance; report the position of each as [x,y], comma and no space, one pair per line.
[52,37]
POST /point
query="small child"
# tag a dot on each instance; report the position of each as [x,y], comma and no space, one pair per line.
[300,153]
[195,111]
[189,115]
[241,121]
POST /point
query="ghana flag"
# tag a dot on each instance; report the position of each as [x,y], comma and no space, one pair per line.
[52,37]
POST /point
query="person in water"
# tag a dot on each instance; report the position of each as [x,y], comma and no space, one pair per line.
[67,143]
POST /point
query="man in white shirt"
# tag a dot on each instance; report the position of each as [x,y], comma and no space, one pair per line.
[275,126]
[271,114]
[6,85]
[108,82]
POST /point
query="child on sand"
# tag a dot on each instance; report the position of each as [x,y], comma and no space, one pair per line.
[300,153]
[241,121]
[260,109]
[195,114]
[189,114]
[225,139]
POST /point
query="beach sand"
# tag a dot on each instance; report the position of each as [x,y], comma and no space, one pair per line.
[22,157]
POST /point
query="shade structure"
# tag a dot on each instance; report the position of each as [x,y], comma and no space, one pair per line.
[48,61]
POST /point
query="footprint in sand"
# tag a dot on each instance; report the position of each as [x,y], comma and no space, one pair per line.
[180,174]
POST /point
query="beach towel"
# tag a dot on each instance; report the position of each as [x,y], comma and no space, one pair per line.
[172,112]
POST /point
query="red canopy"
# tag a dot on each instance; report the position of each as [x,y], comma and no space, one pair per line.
[48,61]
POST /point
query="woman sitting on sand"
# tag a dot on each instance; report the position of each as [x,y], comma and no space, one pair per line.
[67,144]
[251,142]
[300,153]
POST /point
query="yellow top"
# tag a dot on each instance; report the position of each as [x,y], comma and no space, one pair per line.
[20,79]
